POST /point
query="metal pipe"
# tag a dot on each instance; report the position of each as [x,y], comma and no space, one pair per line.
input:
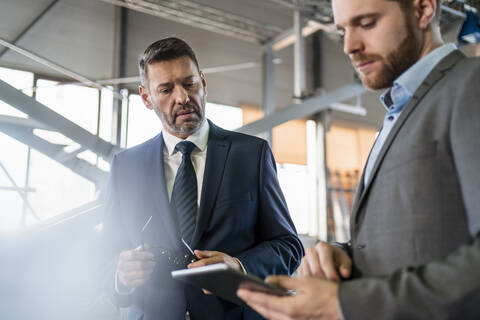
[207,70]
[268,90]
[18,189]
[454,12]
[299,56]
[305,109]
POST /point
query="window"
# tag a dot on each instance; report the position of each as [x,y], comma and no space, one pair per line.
[13,158]
[143,123]
[34,187]
[77,103]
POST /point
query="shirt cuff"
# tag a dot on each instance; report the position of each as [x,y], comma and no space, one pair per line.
[241,265]
[121,289]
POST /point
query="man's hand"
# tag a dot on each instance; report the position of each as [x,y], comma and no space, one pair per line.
[315,299]
[211,257]
[135,267]
[326,261]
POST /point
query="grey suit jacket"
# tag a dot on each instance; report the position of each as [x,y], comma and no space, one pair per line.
[415,240]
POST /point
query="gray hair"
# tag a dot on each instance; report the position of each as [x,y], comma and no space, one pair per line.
[164,50]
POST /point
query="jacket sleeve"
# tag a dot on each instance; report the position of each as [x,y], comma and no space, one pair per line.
[448,288]
[278,249]
[113,238]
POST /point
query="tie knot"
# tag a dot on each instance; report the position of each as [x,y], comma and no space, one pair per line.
[185,147]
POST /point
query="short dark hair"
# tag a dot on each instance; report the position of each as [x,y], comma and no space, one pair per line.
[164,50]
[406,5]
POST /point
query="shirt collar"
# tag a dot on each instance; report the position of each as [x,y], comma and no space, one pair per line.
[406,85]
[199,138]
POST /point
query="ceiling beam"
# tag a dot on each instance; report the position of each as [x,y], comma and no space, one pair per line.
[204,17]
[24,122]
[30,25]
[206,70]
[57,153]
[55,66]
[55,121]
[307,108]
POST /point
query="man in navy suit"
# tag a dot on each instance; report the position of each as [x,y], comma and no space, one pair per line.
[216,189]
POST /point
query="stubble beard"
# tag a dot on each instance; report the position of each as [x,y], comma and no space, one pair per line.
[394,64]
[188,127]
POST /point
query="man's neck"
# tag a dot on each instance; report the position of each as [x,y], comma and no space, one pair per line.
[432,40]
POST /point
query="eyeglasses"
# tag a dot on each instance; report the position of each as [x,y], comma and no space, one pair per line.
[177,258]
[174,258]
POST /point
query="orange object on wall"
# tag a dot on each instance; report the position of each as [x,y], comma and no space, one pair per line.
[348,147]
[289,139]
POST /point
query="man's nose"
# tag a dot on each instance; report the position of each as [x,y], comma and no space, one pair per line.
[181,95]
[352,43]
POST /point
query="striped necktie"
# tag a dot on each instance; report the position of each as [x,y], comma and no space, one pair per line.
[184,195]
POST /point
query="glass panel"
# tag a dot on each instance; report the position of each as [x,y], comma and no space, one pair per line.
[294,183]
[227,117]
[58,189]
[11,208]
[76,103]
[19,79]
[14,159]
[54,137]
[106,113]
[143,123]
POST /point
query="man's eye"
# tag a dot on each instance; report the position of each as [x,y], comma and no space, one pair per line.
[368,25]
[165,90]
[189,84]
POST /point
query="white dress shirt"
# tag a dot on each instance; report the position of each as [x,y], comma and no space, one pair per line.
[172,157]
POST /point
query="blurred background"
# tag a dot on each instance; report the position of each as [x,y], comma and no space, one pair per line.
[69,101]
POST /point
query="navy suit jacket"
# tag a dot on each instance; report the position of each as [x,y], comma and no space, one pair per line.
[242,213]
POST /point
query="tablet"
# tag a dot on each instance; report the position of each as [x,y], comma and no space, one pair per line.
[223,281]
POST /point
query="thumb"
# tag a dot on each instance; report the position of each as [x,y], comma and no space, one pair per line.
[285,282]
[345,272]
[344,264]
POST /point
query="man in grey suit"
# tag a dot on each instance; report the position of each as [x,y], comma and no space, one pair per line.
[415,242]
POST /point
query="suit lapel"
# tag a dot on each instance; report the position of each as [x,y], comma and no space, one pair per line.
[159,194]
[433,77]
[217,151]
[356,199]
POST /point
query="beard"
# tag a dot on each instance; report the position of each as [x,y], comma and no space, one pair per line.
[187,127]
[393,64]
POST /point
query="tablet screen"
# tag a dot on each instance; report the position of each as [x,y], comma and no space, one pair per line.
[224,281]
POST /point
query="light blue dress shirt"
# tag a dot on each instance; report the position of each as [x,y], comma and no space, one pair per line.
[395,99]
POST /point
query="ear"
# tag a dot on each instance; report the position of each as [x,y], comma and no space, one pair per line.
[145,97]
[204,82]
[425,12]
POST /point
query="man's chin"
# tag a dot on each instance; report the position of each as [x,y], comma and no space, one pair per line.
[373,83]
[188,127]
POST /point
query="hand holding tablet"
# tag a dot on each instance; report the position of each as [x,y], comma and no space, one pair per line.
[224,281]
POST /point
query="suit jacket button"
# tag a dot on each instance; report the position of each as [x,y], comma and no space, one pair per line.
[361,246]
